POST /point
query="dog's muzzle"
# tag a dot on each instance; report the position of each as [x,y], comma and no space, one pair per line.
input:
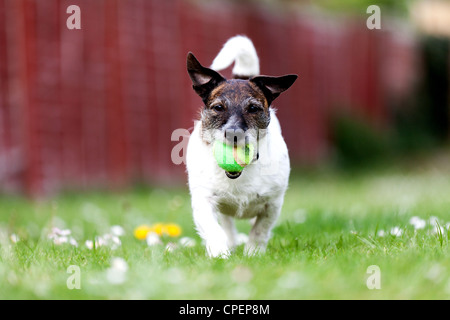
[237,174]
[233,175]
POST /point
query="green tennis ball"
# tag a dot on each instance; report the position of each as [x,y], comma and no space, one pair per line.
[233,159]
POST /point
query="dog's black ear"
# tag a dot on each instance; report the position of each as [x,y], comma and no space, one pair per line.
[204,80]
[273,86]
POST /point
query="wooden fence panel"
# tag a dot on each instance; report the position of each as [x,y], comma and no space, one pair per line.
[96,107]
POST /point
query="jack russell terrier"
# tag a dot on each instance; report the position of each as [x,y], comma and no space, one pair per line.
[236,111]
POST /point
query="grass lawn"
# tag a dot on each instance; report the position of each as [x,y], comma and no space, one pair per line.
[333,228]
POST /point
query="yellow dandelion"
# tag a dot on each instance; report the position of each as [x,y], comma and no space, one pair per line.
[172,229]
[141,231]
[158,228]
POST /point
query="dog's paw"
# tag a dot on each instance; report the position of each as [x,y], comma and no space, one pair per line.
[216,250]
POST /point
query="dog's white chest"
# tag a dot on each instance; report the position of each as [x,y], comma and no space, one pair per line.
[242,206]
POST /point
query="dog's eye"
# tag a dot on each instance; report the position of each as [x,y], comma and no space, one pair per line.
[218,108]
[253,108]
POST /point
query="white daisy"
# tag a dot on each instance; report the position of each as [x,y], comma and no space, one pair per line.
[396,231]
[417,223]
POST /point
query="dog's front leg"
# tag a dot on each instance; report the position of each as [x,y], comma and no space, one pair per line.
[260,233]
[208,227]
[228,226]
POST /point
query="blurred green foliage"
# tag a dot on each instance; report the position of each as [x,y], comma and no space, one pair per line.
[419,122]
[357,143]
[394,7]
[422,121]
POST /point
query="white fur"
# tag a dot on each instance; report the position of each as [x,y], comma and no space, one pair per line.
[241,51]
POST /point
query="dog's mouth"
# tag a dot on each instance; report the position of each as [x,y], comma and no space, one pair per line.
[233,175]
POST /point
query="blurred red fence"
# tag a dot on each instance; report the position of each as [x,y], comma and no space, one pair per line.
[96,107]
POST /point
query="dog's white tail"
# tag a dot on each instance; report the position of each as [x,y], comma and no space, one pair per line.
[241,51]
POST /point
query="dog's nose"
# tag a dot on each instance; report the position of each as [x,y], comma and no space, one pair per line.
[234,134]
[235,129]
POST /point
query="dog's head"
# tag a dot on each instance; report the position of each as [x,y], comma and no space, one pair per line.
[234,109]
[235,104]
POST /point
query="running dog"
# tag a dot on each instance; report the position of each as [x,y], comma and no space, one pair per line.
[236,110]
